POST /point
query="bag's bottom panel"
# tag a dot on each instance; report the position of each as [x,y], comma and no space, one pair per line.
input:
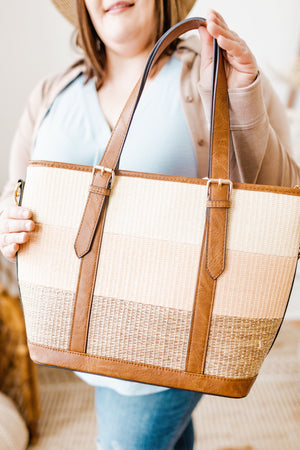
[148,334]
[140,372]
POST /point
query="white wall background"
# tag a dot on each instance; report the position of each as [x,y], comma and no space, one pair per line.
[35,41]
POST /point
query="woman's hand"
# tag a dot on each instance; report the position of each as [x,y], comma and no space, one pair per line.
[15,224]
[240,64]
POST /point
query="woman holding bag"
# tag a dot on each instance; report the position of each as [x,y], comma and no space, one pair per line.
[70,116]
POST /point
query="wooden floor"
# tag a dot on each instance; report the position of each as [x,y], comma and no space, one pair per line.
[268,419]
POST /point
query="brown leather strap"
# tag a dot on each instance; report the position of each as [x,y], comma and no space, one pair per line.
[203,304]
[216,218]
[115,146]
[85,290]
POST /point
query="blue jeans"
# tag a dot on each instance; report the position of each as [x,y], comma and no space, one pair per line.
[160,421]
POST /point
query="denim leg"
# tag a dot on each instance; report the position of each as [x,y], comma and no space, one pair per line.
[186,440]
[160,421]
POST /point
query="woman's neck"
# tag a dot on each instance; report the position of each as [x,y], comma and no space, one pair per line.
[125,70]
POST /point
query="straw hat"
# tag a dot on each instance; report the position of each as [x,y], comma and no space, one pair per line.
[68,9]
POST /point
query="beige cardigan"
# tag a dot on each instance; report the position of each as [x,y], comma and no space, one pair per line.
[259,128]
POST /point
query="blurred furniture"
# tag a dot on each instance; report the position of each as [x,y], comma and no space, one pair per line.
[18,378]
[14,434]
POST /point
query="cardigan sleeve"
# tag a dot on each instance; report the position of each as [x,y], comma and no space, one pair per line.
[260,135]
[22,146]
[38,103]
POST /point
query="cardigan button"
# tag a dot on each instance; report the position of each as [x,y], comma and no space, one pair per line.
[201,142]
[188,98]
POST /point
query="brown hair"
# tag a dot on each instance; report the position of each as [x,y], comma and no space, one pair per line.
[93,47]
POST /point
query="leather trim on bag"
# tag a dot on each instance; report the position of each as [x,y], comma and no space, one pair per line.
[177,179]
[228,387]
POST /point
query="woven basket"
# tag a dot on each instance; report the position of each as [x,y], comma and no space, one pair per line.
[173,281]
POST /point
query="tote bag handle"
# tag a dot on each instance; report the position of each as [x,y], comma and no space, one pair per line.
[218,142]
[219,124]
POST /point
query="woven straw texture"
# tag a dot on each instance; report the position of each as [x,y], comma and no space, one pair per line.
[148,268]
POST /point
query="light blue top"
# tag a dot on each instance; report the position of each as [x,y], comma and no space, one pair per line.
[75,131]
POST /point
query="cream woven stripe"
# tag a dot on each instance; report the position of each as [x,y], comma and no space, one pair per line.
[254,285]
[132,331]
[141,207]
[259,223]
[167,210]
[148,271]
[57,196]
[152,209]
[48,259]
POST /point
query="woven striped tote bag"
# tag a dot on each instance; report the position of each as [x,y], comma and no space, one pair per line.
[174,281]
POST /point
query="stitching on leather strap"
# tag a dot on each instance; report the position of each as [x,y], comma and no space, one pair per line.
[99,190]
[218,204]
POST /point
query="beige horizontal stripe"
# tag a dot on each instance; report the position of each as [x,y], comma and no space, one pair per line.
[48,315]
[263,222]
[49,259]
[139,333]
[237,347]
[159,273]
[254,285]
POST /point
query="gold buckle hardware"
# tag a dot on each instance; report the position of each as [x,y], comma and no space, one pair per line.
[220,182]
[105,169]
[18,192]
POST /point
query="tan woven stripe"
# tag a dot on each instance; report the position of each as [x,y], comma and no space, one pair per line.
[254,285]
[258,223]
[237,347]
[140,333]
[160,273]
[49,259]
[48,315]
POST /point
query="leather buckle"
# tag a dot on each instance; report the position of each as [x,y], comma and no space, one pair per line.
[105,169]
[220,182]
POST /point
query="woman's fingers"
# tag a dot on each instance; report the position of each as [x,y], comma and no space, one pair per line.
[10,251]
[17,212]
[241,66]
[207,46]
[15,225]
[13,238]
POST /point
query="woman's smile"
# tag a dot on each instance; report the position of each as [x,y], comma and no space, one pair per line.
[118,7]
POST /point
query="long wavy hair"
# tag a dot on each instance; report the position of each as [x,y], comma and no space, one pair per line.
[94,48]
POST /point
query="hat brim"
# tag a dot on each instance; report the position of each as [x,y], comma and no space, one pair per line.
[68,9]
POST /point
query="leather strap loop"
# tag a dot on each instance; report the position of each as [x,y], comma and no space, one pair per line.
[218,204]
